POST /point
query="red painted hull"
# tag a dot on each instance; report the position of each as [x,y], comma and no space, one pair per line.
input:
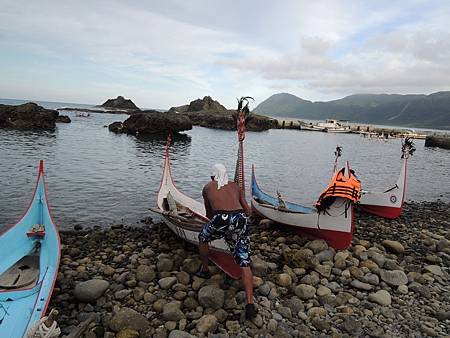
[337,239]
[386,212]
[226,263]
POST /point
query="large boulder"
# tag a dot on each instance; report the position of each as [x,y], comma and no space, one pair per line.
[127,318]
[90,290]
[209,113]
[152,123]
[211,296]
[120,103]
[27,116]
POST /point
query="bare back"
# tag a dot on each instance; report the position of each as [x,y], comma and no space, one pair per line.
[227,198]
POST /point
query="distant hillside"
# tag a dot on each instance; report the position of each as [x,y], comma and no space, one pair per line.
[427,111]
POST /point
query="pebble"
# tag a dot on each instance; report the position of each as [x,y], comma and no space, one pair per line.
[381,297]
[305,291]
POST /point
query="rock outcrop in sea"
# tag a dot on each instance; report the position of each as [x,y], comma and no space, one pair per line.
[120,103]
[27,116]
[209,113]
[152,123]
[139,282]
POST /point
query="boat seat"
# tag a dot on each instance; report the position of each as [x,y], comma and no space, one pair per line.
[23,273]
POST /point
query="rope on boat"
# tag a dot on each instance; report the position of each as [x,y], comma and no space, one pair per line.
[40,330]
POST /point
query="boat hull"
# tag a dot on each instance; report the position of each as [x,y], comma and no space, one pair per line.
[22,306]
[335,225]
[387,204]
[188,230]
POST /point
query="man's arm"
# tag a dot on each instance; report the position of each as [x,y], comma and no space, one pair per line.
[244,204]
[209,211]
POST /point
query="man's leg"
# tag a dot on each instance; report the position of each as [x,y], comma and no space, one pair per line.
[247,279]
[203,248]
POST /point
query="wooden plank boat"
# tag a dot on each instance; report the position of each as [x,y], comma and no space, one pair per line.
[30,253]
[389,203]
[334,225]
[186,216]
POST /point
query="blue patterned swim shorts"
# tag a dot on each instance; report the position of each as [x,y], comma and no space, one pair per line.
[232,226]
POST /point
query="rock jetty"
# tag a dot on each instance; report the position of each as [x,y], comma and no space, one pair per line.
[27,116]
[209,113]
[438,141]
[152,123]
[139,282]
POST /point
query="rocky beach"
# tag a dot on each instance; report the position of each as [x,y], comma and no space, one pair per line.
[138,281]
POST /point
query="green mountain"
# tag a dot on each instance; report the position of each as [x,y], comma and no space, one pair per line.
[426,111]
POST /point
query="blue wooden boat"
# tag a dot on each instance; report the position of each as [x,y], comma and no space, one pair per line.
[29,260]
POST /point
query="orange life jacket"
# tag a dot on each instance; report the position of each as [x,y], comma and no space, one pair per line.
[340,186]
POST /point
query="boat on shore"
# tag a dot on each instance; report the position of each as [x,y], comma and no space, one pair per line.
[30,254]
[186,216]
[334,223]
[389,203]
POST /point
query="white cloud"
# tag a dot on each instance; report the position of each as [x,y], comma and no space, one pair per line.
[172,52]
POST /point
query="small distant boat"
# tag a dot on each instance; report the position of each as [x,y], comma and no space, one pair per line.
[334,223]
[389,203]
[82,114]
[329,126]
[30,253]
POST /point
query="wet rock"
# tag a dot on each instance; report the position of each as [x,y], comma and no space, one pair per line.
[172,311]
[284,280]
[259,267]
[180,334]
[323,270]
[360,285]
[305,291]
[381,297]
[90,290]
[127,333]
[317,245]
[323,291]
[211,296]
[167,282]
[320,324]
[434,269]
[443,315]
[183,277]
[152,122]
[206,324]
[145,273]
[27,116]
[164,263]
[127,318]
[63,119]
[396,277]
[393,246]
[122,294]
[352,326]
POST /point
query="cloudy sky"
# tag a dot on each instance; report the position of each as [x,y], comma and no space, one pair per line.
[167,53]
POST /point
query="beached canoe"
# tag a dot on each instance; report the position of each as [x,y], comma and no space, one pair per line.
[389,203]
[30,253]
[186,217]
[334,224]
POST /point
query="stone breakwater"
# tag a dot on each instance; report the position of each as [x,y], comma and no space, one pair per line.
[138,282]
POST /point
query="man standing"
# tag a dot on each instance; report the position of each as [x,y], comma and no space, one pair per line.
[227,210]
